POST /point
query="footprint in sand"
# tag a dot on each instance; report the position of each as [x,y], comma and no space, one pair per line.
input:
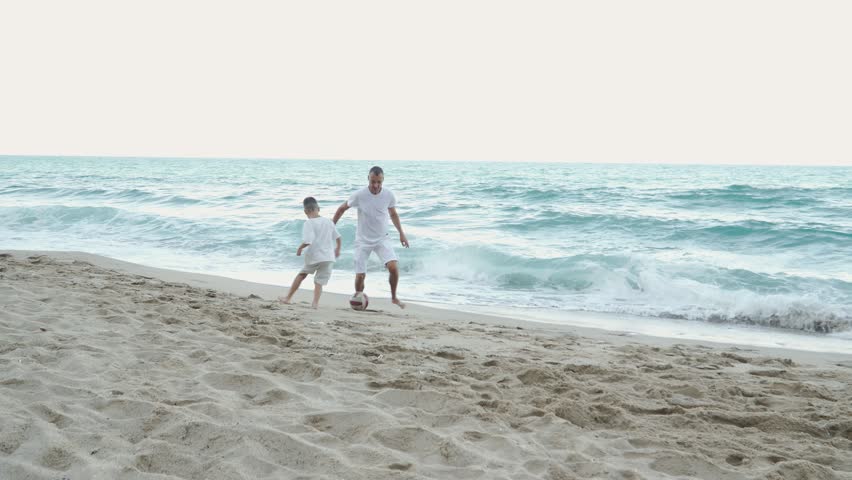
[57,458]
[244,384]
[273,396]
[692,466]
[15,434]
[51,415]
[426,400]
[296,370]
[351,426]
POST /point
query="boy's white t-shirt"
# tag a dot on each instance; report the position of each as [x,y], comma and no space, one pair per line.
[321,233]
[373,215]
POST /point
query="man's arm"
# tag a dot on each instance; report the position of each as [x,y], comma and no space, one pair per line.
[337,248]
[340,211]
[395,219]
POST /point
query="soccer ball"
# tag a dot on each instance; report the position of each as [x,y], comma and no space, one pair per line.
[359,301]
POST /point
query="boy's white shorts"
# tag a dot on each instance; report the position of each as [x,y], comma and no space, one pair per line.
[383,249]
[321,271]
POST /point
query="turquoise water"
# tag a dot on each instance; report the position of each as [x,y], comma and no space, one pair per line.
[750,246]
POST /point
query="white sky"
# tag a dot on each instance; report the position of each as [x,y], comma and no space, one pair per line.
[594,81]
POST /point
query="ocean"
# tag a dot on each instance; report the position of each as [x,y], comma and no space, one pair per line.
[751,254]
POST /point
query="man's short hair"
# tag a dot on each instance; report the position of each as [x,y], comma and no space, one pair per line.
[377,171]
[310,204]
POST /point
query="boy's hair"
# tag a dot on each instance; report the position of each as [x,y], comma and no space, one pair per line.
[310,204]
[377,171]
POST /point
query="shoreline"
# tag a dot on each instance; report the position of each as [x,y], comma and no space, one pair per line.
[112,370]
[449,312]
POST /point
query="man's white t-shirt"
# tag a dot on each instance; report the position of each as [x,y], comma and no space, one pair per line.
[373,215]
[321,233]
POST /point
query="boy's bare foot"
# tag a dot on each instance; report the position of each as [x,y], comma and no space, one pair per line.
[284,300]
[397,302]
[314,306]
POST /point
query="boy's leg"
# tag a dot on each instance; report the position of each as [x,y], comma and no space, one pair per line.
[323,275]
[359,281]
[317,293]
[295,286]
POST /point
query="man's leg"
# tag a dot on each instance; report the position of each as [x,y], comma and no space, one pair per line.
[393,279]
[389,258]
[361,256]
[295,286]
[317,293]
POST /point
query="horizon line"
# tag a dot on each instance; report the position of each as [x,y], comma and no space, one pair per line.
[271,158]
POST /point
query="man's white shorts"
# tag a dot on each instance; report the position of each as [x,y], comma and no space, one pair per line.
[383,249]
[321,271]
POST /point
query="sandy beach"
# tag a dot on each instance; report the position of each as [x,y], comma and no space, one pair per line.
[110,370]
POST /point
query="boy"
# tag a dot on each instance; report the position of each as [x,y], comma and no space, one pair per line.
[322,241]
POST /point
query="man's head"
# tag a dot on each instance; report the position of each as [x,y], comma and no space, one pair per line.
[376,177]
[311,205]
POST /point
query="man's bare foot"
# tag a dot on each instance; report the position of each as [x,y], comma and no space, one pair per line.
[284,300]
[314,306]
[397,302]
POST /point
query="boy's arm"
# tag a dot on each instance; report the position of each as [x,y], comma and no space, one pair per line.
[307,237]
[337,248]
[395,219]
[340,211]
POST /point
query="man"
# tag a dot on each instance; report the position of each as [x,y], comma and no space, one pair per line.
[375,205]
